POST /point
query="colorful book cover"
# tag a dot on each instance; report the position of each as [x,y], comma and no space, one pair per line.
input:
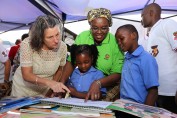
[11,100]
[140,110]
[35,110]
[62,110]
[18,104]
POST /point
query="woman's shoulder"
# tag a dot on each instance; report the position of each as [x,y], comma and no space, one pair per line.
[26,43]
[26,40]
[62,46]
[111,36]
[85,33]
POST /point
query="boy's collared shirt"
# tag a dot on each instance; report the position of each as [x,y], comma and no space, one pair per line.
[139,73]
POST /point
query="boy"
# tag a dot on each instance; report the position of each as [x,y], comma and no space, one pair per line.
[139,81]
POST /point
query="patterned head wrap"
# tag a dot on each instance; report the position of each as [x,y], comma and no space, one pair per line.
[100,13]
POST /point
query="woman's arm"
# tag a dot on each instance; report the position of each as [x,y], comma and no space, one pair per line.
[7,70]
[56,77]
[94,91]
[58,74]
[27,73]
[110,80]
[67,71]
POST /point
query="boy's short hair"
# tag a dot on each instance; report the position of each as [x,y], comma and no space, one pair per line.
[130,28]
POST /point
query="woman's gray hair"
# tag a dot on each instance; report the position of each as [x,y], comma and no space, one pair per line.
[39,26]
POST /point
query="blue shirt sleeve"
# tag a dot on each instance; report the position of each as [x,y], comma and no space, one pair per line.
[150,73]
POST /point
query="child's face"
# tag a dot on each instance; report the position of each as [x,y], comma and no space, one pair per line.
[84,62]
[125,40]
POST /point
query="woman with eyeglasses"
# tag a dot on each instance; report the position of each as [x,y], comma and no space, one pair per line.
[110,57]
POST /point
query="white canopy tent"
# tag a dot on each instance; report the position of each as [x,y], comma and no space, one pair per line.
[124,12]
[19,14]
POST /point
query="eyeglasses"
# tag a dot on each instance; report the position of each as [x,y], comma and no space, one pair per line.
[102,29]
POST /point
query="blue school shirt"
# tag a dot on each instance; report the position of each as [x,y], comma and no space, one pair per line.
[139,73]
[82,81]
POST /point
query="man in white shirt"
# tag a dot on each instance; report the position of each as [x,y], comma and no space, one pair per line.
[162,44]
[143,41]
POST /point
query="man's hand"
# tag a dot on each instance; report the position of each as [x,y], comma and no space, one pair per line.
[5,89]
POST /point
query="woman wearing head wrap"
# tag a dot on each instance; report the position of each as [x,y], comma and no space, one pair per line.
[110,58]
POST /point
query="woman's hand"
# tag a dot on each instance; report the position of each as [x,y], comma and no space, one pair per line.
[94,92]
[57,87]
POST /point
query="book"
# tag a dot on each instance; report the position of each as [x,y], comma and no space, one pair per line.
[62,110]
[11,100]
[140,110]
[19,103]
[36,110]
[42,105]
[79,103]
[36,115]
[12,114]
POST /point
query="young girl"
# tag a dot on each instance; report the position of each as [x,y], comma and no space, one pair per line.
[84,57]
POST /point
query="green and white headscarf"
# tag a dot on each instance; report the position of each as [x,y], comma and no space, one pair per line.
[100,13]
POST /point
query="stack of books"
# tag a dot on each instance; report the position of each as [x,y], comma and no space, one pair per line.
[11,103]
[70,107]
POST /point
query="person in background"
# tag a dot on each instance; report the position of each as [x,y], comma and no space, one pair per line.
[144,41]
[13,50]
[162,44]
[4,71]
[16,60]
[42,57]
[83,58]
[110,58]
[139,81]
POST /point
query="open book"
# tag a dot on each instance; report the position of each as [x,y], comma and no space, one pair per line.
[79,103]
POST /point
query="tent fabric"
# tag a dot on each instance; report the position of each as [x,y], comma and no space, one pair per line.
[78,9]
[16,14]
[124,12]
